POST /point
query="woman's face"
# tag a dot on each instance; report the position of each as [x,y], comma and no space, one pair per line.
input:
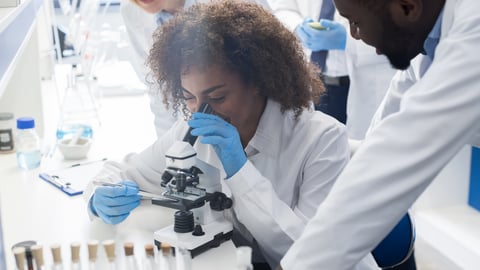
[152,6]
[228,95]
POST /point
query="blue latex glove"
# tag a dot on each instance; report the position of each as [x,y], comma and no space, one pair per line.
[332,38]
[114,204]
[223,137]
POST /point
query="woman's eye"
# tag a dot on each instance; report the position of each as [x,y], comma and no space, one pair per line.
[187,96]
[217,99]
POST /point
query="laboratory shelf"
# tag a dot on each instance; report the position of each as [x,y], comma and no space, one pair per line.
[15,31]
[453,231]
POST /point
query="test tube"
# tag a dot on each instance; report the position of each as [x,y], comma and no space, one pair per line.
[165,256]
[92,254]
[183,259]
[149,261]
[75,254]
[130,261]
[37,251]
[57,257]
[19,253]
[109,246]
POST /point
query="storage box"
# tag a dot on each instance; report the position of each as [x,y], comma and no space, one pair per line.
[9,3]
[474,190]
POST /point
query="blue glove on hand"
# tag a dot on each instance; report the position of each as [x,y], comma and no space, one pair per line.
[114,204]
[223,137]
[334,37]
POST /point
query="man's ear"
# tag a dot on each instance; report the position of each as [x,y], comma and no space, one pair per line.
[405,12]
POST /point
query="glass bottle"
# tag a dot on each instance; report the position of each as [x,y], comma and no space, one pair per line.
[27,144]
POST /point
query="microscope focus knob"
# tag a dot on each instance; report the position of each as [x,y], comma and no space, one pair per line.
[166,177]
[220,202]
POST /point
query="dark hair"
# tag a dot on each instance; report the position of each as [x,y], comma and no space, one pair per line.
[241,37]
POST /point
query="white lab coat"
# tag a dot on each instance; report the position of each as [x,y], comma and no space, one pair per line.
[292,13]
[140,26]
[421,130]
[290,169]
[369,73]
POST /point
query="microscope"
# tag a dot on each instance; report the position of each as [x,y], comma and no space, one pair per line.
[193,187]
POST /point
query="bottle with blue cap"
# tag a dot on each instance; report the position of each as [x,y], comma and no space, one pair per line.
[27,144]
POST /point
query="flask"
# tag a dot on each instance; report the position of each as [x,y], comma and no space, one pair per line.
[27,144]
[6,133]
[244,258]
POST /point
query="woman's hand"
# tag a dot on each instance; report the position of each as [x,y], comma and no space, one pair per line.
[223,137]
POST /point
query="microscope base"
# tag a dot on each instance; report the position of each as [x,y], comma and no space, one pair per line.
[215,233]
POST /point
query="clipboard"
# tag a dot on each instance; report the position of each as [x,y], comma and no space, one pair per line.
[72,180]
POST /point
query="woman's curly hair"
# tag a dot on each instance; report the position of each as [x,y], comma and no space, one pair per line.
[240,37]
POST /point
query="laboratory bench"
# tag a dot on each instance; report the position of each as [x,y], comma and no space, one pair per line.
[32,209]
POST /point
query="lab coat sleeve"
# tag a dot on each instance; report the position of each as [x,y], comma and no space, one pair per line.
[272,222]
[399,159]
[144,168]
[287,12]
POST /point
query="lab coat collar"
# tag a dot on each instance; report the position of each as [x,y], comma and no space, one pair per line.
[267,137]
[433,37]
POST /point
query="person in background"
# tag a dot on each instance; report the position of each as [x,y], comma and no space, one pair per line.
[429,113]
[355,76]
[141,18]
[278,157]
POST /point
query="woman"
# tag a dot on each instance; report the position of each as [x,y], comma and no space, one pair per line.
[141,18]
[279,158]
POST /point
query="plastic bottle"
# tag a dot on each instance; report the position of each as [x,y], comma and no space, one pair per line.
[27,144]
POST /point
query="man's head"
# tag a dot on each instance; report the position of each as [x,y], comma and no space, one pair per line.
[396,28]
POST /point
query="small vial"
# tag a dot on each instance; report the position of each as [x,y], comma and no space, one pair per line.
[130,261]
[244,258]
[27,144]
[75,254]
[149,261]
[37,251]
[57,257]
[183,259]
[19,253]
[92,254]
[165,258]
[6,133]
[109,246]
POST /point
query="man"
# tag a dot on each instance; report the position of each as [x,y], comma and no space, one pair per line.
[430,112]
